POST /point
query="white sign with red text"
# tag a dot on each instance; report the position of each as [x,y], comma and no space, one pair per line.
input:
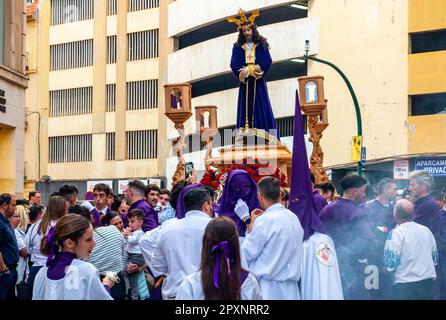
[122,185]
[91,184]
[401,170]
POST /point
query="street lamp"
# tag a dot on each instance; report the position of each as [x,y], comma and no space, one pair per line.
[350,89]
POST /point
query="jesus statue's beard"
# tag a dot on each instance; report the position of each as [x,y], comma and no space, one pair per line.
[248,38]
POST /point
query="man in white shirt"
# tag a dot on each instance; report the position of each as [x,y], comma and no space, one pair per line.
[273,246]
[178,250]
[411,253]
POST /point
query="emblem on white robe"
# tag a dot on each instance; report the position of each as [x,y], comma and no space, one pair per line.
[325,254]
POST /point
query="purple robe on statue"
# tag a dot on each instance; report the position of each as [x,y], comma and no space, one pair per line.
[263,113]
[302,200]
[239,185]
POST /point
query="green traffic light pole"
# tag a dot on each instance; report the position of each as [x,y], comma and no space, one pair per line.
[352,93]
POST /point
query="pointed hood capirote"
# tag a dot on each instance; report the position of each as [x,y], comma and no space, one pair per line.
[301,192]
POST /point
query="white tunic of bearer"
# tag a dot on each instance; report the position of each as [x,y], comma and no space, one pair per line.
[273,251]
[148,241]
[178,251]
[320,279]
[192,289]
[81,282]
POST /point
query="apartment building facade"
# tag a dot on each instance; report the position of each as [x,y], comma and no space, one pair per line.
[393,53]
[13,83]
[94,68]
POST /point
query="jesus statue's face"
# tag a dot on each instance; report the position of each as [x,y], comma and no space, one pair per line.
[247,33]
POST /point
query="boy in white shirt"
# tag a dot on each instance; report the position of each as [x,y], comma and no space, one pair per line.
[132,235]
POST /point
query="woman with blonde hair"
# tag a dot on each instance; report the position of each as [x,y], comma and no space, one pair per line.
[24,217]
[57,208]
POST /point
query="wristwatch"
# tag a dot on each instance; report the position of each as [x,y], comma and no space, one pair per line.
[248,221]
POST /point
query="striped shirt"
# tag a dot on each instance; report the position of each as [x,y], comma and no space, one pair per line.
[108,253]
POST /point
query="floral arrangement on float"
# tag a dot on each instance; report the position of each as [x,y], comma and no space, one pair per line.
[256,169]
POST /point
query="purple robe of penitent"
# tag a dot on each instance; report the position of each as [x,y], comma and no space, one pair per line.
[239,185]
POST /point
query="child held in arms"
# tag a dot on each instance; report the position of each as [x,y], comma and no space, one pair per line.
[132,234]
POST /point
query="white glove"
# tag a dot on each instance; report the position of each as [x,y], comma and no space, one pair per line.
[242,209]
[88,205]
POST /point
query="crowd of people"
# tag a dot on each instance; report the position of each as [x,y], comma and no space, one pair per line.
[248,241]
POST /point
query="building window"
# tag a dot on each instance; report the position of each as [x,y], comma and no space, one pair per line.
[426,104]
[111,97]
[143,45]
[110,144]
[285,126]
[112,7]
[67,11]
[70,102]
[428,41]
[137,5]
[70,149]
[72,55]
[142,95]
[111,49]
[142,144]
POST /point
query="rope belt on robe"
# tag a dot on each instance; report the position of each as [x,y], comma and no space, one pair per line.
[255,72]
[253,103]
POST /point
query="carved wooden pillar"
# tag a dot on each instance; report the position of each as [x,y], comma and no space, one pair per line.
[315,129]
[314,105]
[178,109]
